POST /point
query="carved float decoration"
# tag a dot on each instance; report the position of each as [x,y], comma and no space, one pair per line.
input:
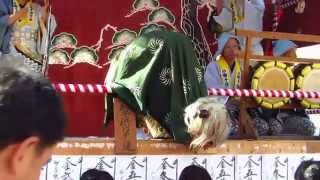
[84,54]
[59,56]
[64,40]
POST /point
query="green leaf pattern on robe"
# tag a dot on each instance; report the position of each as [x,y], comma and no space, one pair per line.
[158,74]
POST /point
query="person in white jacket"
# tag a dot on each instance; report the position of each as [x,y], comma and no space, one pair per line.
[247,14]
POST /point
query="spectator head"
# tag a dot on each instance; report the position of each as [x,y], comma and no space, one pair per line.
[284,48]
[94,174]
[228,47]
[308,170]
[193,172]
[32,121]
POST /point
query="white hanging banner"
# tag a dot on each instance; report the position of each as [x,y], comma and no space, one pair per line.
[159,167]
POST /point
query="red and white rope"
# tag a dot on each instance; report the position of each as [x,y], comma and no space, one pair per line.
[277,6]
[106,89]
[102,89]
[313,111]
[288,3]
[263,93]
[83,88]
[275,20]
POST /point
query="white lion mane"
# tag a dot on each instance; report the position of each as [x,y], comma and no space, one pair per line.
[213,126]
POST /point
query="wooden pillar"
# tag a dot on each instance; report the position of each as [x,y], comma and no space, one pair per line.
[124,128]
[246,127]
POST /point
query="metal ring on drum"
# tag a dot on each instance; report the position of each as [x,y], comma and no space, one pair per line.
[309,80]
[273,75]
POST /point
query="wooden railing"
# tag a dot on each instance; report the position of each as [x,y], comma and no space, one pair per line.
[246,128]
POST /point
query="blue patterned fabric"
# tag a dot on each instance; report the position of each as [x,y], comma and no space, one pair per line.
[5,30]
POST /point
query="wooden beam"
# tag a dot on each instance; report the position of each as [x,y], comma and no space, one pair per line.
[251,103]
[283,59]
[166,147]
[278,35]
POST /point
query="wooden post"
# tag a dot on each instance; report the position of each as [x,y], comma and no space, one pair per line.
[246,128]
[124,128]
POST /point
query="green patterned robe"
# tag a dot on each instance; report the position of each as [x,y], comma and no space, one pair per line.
[158,74]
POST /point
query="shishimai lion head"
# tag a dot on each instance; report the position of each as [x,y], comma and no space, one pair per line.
[208,122]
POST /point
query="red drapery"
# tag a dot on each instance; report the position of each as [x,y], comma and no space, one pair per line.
[85,19]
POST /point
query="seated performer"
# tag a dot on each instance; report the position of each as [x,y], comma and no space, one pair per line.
[24,32]
[158,75]
[225,72]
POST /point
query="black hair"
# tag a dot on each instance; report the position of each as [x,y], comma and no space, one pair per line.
[29,106]
[308,170]
[237,40]
[193,172]
[94,174]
